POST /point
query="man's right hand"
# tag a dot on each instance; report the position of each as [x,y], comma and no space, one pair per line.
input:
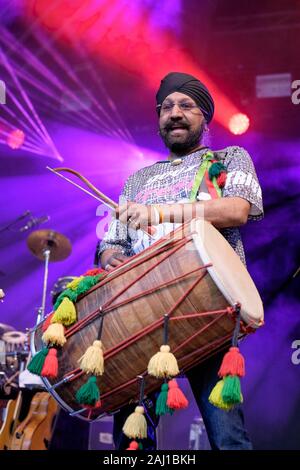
[110,259]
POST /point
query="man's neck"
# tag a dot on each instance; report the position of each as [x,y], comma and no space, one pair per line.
[174,156]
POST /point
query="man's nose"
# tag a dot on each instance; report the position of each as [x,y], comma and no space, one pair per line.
[176,111]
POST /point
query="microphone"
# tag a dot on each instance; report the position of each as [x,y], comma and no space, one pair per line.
[34,222]
[25,214]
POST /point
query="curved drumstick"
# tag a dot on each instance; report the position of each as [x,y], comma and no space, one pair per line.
[97,194]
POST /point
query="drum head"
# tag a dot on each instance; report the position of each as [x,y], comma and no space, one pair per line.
[228,272]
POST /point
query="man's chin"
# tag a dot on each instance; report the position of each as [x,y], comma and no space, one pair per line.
[179,147]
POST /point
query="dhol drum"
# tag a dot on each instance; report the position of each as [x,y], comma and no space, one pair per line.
[193,276]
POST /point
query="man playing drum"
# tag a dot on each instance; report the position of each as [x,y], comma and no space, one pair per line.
[161,195]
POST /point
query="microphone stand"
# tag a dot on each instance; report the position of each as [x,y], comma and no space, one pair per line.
[11,224]
[46,254]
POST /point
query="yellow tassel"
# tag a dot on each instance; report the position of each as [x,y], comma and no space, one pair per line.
[215,397]
[65,313]
[92,361]
[54,334]
[135,426]
[163,363]
[74,284]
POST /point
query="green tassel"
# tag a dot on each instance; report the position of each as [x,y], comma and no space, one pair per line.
[65,313]
[83,286]
[231,392]
[69,293]
[215,170]
[140,446]
[36,364]
[215,397]
[86,283]
[89,393]
[161,402]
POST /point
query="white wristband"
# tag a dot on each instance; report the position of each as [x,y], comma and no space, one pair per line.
[156,222]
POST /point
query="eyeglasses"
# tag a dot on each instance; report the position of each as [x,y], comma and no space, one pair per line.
[184,107]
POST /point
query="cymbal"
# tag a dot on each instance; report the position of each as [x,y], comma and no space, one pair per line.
[5,328]
[40,240]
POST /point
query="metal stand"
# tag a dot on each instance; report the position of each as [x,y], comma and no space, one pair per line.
[41,311]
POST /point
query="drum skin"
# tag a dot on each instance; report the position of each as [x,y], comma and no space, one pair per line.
[119,384]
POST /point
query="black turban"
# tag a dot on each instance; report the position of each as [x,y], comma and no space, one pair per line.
[189,85]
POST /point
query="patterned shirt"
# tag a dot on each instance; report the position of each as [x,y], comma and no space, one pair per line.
[163,183]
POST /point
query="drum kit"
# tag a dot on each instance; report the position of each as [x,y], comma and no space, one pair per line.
[46,245]
[17,384]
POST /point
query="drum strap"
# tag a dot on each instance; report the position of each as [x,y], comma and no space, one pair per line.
[203,176]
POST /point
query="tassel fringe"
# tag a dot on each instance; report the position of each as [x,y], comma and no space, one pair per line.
[163,364]
[89,393]
[92,361]
[65,313]
[54,335]
[176,398]
[37,362]
[135,426]
[50,367]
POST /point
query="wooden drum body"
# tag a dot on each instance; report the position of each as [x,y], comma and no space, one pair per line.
[195,277]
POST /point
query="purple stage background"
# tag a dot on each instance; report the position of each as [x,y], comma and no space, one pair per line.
[271,386]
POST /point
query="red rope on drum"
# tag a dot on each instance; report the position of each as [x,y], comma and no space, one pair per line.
[204,328]
[214,347]
[119,347]
[195,315]
[121,387]
[132,339]
[94,314]
[148,329]
[153,289]
[141,259]
[152,326]
[84,321]
[151,268]
[187,292]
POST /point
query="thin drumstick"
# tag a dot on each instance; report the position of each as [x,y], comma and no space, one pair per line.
[88,183]
[101,196]
[111,204]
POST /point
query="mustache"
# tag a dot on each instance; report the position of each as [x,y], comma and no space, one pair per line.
[172,125]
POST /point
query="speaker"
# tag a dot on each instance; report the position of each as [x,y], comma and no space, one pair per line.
[101,434]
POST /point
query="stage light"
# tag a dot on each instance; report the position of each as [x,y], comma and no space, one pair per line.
[15,139]
[238,123]
[129,35]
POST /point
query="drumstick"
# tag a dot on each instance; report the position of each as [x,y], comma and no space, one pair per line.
[102,197]
[111,204]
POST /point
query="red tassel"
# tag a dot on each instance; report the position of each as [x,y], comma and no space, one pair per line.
[95,406]
[133,446]
[176,399]
[47,322]
[50,367]
[94,272]
[221,179]
[233,363]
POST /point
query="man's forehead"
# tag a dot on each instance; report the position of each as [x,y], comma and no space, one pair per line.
[176,96]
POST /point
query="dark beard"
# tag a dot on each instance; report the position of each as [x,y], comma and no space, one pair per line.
[182,148]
